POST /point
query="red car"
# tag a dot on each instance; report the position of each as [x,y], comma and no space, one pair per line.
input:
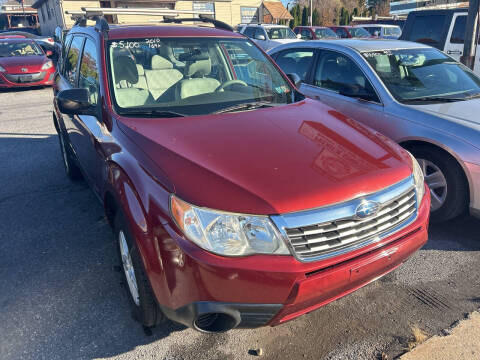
[315,32]
[234,201]
[23,63]
[346,32]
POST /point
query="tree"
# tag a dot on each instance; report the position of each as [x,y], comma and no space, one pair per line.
[305,16]
[316,18]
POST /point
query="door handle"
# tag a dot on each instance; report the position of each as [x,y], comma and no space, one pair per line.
[456,52]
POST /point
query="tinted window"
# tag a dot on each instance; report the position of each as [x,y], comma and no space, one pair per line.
[70,71]
[325,33]
[295,61]
[341,32]
[373,29]
[249,31]
[337,72]
[359,32]
[259,31]
[280,33]
[89,71]
[458,33]
[306,34]
[428,29]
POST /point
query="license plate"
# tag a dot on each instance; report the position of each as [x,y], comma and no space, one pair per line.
[26,78]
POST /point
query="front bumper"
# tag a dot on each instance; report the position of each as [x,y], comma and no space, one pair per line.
[44,78]
[474,179]
[269,290]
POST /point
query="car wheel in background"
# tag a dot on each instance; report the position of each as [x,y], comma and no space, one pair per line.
[145,309]
[71,167]
[446,180]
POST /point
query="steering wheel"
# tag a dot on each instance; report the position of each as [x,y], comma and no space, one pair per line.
[230,83]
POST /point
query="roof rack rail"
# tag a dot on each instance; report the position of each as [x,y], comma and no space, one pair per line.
[169,15]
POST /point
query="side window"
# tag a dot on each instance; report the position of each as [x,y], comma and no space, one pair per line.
[341,32]
[306,34]
[458,33]
[296,61]
[339,73]
[428,30]
[70,71]
[259,31]
[65,46]
[88,78]
[249,31]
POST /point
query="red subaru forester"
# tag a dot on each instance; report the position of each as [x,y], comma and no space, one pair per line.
[235,201]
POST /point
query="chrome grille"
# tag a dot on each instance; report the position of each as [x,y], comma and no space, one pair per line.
[329,231]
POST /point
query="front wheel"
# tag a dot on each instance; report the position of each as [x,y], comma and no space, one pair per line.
[444,177]
[145,309]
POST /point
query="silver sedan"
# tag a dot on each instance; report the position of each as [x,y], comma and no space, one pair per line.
[414,94]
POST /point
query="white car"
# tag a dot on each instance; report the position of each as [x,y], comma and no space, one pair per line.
[267,36]
[383,31]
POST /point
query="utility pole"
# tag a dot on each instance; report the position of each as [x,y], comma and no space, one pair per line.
[471,35]
[311,12]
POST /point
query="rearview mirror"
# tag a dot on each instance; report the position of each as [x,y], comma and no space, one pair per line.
[295,79]
[259,37]
[74,102]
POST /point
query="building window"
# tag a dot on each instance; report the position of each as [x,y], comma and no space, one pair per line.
[249,15]
[204,6]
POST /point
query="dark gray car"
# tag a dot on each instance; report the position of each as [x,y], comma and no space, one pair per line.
[414,94]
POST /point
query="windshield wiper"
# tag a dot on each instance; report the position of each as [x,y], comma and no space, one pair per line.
[474,96]
[154,113]
[244,106]
[435,99]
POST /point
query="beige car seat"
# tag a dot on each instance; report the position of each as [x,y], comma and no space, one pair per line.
[196,82]
[125,72]
[162,76]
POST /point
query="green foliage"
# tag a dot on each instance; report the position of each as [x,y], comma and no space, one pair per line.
[316,18]
[305,16]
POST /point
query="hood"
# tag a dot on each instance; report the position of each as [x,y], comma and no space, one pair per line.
[269,161]
[14,64]
[460,112]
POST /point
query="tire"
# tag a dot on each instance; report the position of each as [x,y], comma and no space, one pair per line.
[71,168]
[439,168]
[144,307]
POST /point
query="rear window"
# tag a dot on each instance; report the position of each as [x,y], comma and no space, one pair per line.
[428,30]
[458,33]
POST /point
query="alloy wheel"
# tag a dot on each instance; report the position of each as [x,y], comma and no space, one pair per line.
[128,268]
[436,181]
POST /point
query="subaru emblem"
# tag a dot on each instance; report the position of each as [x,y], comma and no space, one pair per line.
[367,209]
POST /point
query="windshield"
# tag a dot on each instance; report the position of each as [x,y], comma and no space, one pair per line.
[17,48]
[419,74]
[374,30]
[359,32]
[325,33]
[195,76]
[275,33]
[392,31]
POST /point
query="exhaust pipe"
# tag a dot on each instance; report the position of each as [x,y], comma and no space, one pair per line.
[211,322]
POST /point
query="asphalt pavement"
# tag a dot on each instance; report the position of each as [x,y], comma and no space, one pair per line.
[61,295]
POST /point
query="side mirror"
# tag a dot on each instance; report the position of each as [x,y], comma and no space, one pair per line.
[259,37]
[49,53]
[74,102]
[295,79]
[299,36]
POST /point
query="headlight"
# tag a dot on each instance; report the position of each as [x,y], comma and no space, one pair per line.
[419,179]
[47,65]
[2,69]
[227,233]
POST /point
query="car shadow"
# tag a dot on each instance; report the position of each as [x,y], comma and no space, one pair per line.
[460,234]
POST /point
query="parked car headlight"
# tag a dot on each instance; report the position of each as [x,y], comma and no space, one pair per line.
[419,179]
[47,65]
[2,69]
[226,233]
